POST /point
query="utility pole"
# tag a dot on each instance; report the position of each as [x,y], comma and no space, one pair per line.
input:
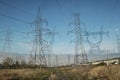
[80,56]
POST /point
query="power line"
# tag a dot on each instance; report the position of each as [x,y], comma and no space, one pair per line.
[12,6]
[59,6]
[13,18]
[70,6]
[78,5]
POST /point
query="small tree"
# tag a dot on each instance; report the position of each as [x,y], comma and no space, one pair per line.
[23,63]
[16,64]
[8,62]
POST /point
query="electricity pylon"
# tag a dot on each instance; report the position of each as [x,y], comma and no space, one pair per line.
[95,45]
[56,61]
[118,43]
[39,44]
[68,60]
[80,56]
[52,34]
[7,43]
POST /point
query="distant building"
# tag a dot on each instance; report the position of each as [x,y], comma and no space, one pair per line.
[107,62]
[96,62]
[112,61]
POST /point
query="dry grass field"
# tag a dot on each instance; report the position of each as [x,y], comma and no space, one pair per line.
[111,72]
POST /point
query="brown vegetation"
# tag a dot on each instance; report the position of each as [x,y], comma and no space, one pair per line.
[111,72]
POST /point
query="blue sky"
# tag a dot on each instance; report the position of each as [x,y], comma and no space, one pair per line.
[59,13]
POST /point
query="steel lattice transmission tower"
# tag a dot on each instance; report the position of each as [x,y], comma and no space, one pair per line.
[7,43]
[51,42]
[118,43]
[69,60]
[56,61]
[95,45]
[38,51]
[80,56]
